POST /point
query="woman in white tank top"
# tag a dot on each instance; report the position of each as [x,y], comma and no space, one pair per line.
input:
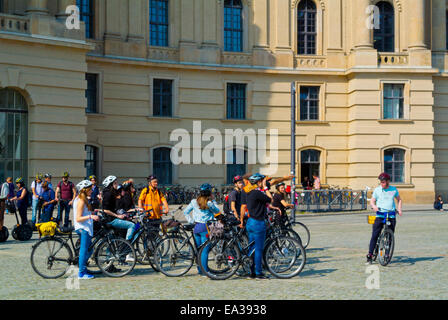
[84,225]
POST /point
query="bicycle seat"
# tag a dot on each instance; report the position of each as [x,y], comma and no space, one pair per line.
[189,227]
[66,229]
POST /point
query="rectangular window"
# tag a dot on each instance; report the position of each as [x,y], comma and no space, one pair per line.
[86,12]
[92,93]
[394,162]
[1,6]
[162,165]
[237,164]
[236,101]
[233,26]
[446,23]
[158,23]
[393,101]
[163,98]
[91,162]
[309,103]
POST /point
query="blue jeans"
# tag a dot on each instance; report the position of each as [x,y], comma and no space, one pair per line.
[34,210]
[84,252]
[63,205]
[123,224]
[256,230]
[200,238]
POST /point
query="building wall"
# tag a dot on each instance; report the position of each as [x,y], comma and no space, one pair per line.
[350,133]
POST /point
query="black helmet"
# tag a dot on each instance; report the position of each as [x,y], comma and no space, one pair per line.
[277,186]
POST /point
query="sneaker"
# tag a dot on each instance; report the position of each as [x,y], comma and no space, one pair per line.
[85,276]
[130,258]
[369,258]
[261,276]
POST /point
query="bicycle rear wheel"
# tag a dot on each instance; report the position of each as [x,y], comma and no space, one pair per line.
[51,258]
[115,257]
[145,246]
[285,257]
[223,259]
[91,266]
[174,256]
[386,247]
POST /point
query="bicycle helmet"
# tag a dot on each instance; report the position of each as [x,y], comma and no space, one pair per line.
[127,185]
[39,176]
[92,177]
[277,186]
[205,189]
[384,176]
[83,185]
[19,180]
[65,174]
[48,175]
[119,188]
[108,181]
[237,179]
[256,177]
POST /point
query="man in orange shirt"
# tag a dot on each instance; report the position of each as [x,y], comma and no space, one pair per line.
[152,199]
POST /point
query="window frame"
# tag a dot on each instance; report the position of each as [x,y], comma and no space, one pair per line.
[95,161]
[307,34]
[227,165]
[393,35]
[232,30]
[229,99]
[96,92]
[406,99]
[394,162]
[167,24]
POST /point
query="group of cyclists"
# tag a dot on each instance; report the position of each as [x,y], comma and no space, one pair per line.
[249,202]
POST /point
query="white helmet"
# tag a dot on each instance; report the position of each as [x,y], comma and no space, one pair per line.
[108,181]
[83,184]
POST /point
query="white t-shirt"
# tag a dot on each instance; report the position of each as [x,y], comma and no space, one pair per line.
[85,225]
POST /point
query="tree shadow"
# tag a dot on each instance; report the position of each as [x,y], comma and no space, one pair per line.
[404,260]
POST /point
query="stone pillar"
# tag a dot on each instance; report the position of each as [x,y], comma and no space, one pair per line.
[37,7]
[210,51]
[187,46]
[62,6]
[284,54]
[416,14]
[363,34]
[112,20]
[439,26]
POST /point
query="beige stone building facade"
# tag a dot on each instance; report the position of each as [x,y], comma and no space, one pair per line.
[370,76]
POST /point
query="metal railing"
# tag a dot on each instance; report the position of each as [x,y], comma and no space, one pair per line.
[331,200]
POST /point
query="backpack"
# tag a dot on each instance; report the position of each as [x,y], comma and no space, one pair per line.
[28,198]
[60,189]
[226,207]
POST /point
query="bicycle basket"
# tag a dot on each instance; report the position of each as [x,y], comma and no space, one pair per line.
[371,219]
[47,229]
[170,225]
[215,229]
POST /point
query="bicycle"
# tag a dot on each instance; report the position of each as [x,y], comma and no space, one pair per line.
[304,233]
[385,244]
[228,251]
[52,256]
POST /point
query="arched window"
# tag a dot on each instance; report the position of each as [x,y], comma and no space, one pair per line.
[162,165]
[394,162]
[306,27]
[309,163]
[86,12]
[13,135]
[2,6]
[233,25]
[384,36]
[158,23]
[91,162]
[236,160]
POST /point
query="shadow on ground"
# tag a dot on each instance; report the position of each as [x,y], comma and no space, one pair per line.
[399,261]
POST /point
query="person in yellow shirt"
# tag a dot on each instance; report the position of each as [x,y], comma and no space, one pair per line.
[152,199]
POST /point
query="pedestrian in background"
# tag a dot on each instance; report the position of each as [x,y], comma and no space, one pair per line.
[11,193]
[48,181]
[65,194]
[438,204]
[49,202]
[36,189]
[22,199]
[4,190]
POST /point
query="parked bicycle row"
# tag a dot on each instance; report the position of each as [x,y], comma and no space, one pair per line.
[252,234]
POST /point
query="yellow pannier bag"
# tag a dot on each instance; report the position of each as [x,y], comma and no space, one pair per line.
[47,229]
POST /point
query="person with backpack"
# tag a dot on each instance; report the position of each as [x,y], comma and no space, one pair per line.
[233,201]
[204,209]
[152,199]
[65,195]
[11,193]
[22,197]
[36,189]
[94,199]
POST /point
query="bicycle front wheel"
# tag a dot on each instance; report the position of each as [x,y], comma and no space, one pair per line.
[285,257]
[223,259]
[386,247]
[51,258]
[304,234]
[115,257]
[174,256]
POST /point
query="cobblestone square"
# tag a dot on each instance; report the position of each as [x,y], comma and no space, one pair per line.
[335,268]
